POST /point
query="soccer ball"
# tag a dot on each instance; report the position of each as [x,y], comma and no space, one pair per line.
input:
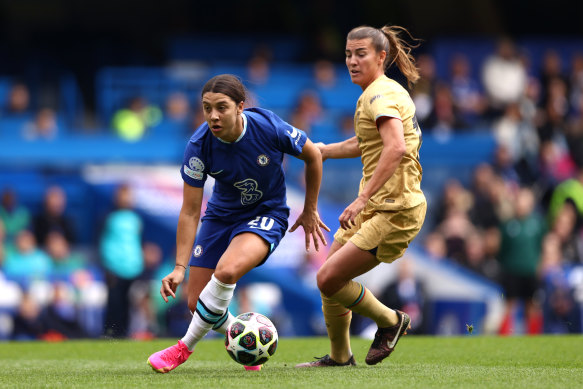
[251,339]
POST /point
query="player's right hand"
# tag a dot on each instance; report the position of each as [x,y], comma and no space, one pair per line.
[170,284]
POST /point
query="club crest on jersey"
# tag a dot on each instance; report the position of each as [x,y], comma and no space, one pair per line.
[263,160]
[197,250]
[196,164]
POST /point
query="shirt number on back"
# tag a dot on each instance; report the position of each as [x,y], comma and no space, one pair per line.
[264,223]
[249,191]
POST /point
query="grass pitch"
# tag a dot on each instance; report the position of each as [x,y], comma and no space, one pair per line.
[418,362]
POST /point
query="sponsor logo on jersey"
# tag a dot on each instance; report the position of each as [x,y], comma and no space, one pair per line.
[192,174]
[196,164]
[263,160]
[197,250]
[295,135]
[374,98]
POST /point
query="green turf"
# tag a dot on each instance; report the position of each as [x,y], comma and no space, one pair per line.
[418,362]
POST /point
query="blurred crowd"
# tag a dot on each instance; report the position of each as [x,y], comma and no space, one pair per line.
[518,222]
[55,289]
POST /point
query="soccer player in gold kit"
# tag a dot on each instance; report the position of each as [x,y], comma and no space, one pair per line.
[389,211]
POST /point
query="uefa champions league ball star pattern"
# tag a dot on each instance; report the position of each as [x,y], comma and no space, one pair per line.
[251,339]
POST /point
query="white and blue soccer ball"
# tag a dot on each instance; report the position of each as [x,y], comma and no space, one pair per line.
[251,339]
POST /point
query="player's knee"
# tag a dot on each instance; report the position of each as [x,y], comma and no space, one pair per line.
[326,282]
[226,275]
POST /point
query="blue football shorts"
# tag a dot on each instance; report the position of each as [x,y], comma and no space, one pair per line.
[214,236]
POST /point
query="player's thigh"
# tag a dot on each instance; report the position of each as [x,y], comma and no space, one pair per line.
[335,246]
[198,277]
[246,251]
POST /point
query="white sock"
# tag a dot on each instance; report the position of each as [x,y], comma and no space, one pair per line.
[223,323]
[210,309]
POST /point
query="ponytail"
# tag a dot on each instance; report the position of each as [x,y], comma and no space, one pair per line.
[400,53]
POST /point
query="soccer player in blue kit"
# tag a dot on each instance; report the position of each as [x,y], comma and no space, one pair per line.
[246,216]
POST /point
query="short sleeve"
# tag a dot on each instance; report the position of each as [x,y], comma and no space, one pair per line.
[382,103]
[193,167]
[291,140]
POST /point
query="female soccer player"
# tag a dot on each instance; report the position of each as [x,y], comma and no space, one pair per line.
[246,216]
[390,208]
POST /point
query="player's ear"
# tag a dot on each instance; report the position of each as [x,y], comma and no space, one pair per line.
[382,56]
[240,107]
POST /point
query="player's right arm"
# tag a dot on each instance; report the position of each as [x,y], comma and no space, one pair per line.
[185,234]
[345,149]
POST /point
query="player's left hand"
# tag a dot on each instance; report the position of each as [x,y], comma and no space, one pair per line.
[348,216]
[312,225]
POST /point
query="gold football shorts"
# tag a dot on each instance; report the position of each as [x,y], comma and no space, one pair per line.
[390,232]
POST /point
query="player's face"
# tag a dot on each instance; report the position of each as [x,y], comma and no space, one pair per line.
[223,115]
[364,63]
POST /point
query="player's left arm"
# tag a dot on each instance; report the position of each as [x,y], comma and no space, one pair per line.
[309,219]
[394,148]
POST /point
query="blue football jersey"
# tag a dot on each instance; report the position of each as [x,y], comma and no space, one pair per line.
[248,172]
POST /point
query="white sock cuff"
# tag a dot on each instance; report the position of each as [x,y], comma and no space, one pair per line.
[220,290]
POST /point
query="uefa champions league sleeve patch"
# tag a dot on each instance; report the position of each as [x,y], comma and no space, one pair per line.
[195,168]
[196,164]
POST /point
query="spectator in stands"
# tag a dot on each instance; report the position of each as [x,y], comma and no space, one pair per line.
[149,311]
[567,228]
[553,124]
[177,118]
[121,255]
[478,256]
[435,246]
[551,72]
[504,76]
[483,211]
[505,168]
[407,293]
[423,91]
[3,243]
[562,314]
[14,216]
[26,262]
[456,228]
[519,256]
[18,104]
[143,324]
[308,111]
[132,123]
[576,82]
[454,197]
[467,97]
[324,74]
[59,317]
[444,117]
[43,127]
[27,321]
[520,138]
[570,189]
[555,166]
[258,66]
[66,264]
[53,217]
